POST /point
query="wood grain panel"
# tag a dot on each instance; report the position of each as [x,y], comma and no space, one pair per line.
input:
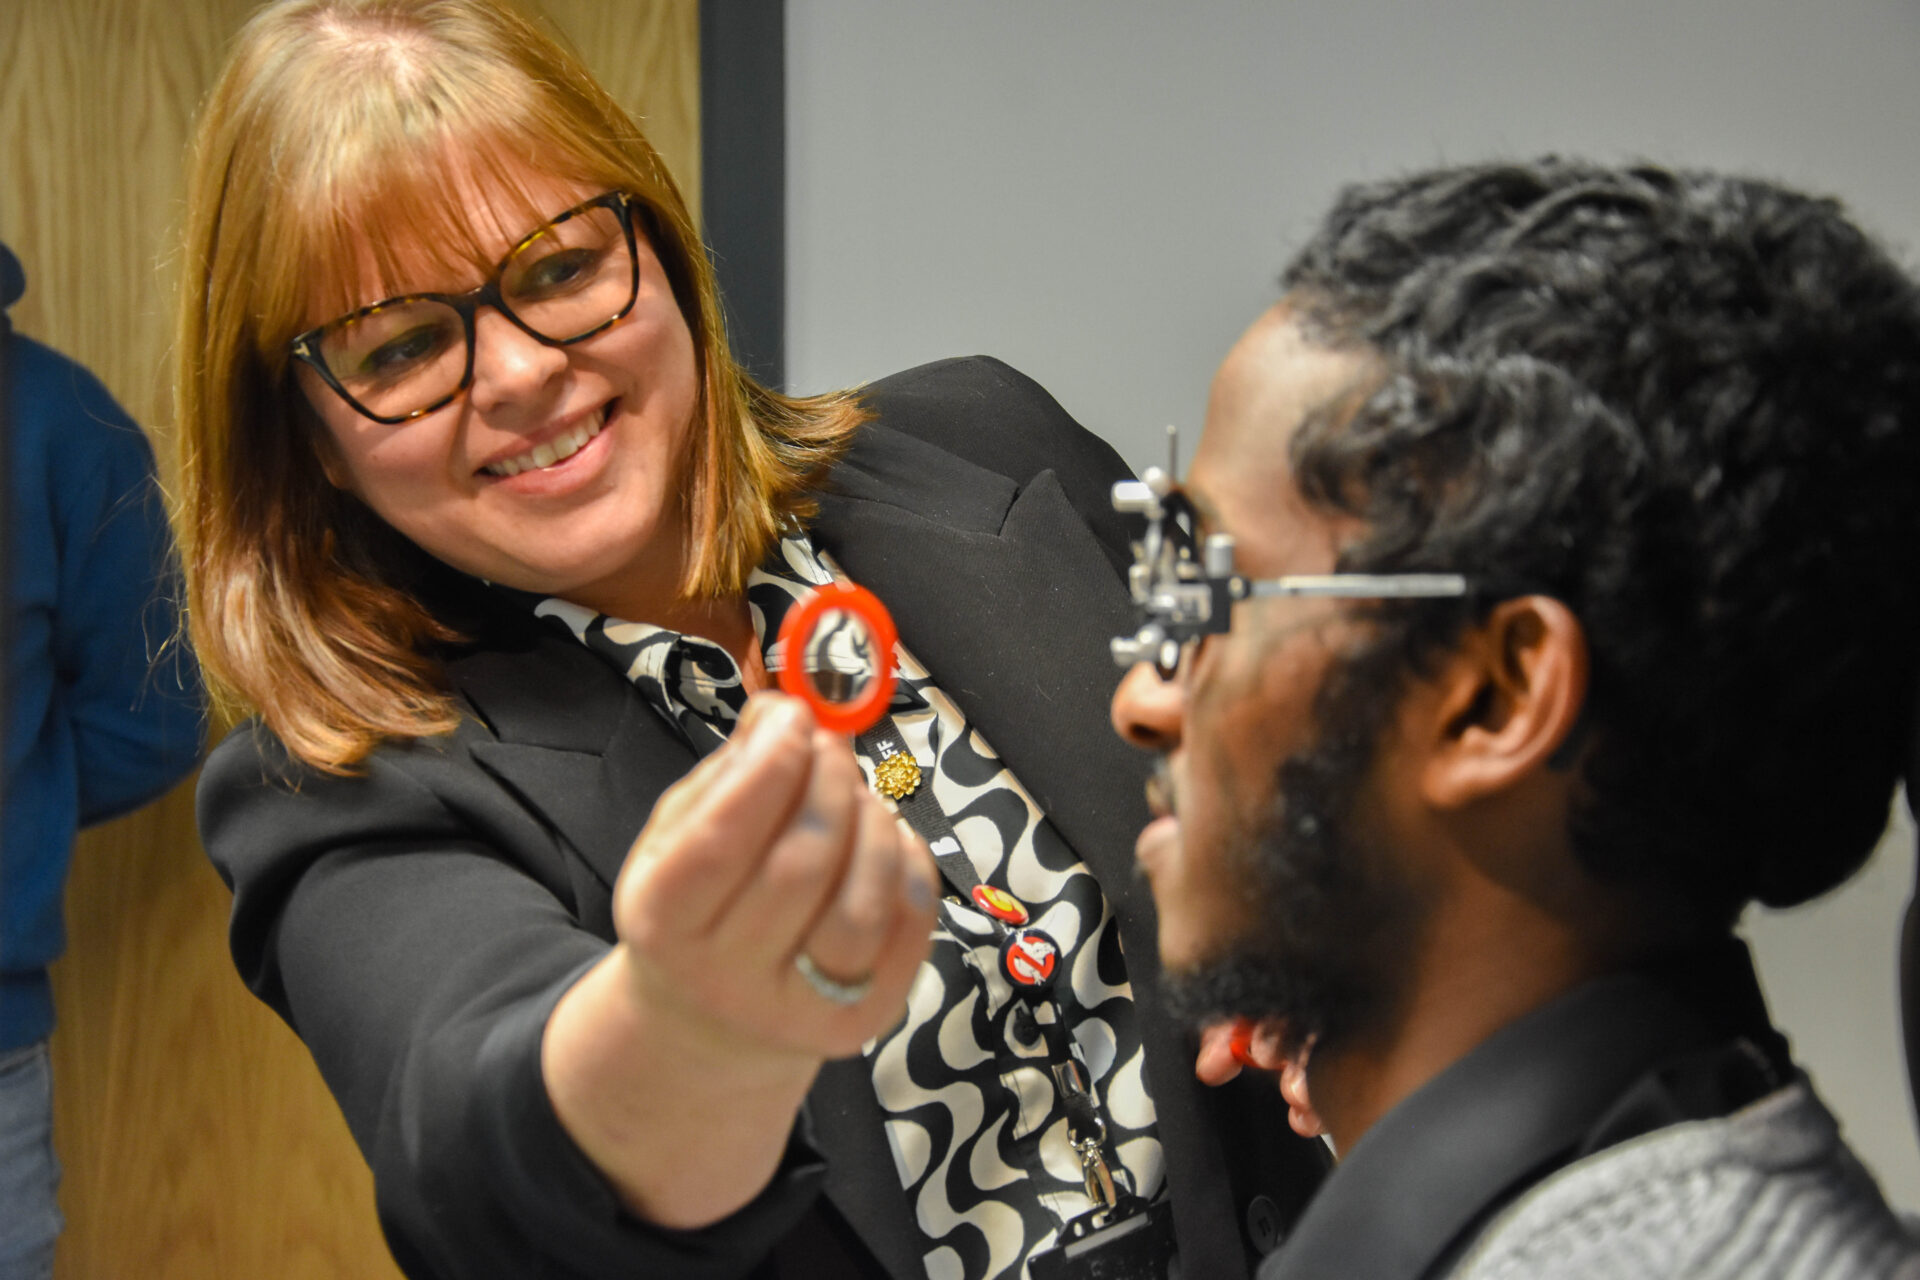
[197,1138]
[648,57]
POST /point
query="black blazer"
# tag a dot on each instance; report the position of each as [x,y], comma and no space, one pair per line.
[416,923]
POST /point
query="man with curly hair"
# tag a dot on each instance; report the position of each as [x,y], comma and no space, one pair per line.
[1468,867]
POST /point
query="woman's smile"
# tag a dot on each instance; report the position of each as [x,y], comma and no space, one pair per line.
[551,452]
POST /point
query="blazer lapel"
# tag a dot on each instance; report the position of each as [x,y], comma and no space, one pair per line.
[575,741]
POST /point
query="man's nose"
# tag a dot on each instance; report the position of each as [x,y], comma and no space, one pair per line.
[1147,710]
[509,364]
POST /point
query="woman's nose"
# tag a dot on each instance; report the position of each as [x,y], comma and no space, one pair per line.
[1147,711]
[510,365]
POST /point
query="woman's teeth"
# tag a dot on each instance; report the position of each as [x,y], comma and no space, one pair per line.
[545,455]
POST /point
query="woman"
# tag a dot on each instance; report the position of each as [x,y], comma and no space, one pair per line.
[613,970]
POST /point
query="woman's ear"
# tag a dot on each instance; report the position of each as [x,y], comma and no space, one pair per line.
[332,465]
[1509,697]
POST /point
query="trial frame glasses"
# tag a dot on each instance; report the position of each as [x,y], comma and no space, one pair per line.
[1180,596]
[312,347]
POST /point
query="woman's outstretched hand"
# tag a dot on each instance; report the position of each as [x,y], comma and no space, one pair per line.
[679,1061]
[771,849]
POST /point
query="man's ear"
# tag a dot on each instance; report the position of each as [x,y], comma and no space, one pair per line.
[1507,699]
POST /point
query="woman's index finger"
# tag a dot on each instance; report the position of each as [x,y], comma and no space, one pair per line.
[711,831]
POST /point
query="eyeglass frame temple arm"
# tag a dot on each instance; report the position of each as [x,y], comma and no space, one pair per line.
[1357,586]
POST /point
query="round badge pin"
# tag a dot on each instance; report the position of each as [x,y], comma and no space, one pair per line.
[999,904]
[1028,959]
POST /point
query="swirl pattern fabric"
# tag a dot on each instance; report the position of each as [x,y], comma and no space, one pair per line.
[975,1120]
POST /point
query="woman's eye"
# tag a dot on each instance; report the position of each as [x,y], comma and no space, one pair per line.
[397,355]
[556,272]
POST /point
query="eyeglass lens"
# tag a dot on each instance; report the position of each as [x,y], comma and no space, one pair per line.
[569,278]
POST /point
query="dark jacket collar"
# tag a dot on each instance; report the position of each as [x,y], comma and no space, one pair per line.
[1561,1082]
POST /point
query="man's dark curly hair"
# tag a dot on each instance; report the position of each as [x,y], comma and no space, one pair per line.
[1687,406]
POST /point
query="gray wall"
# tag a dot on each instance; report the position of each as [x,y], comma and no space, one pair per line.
[1102,192]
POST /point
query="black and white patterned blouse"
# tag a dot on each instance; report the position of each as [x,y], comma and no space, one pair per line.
[977,1125]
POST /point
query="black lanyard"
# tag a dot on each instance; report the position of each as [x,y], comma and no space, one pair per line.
[1030,960]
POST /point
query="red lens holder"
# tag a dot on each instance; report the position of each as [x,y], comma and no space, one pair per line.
[796,633]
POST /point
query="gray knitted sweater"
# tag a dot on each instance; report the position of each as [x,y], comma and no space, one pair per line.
[1770,1191]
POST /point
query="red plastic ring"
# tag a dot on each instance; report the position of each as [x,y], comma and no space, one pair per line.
[1240,1044]
[797,632]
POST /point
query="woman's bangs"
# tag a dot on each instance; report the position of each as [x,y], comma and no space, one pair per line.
[404,221]
[408,228]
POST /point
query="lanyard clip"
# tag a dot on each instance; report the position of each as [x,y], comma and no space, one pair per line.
[1087,1132]
[1098,1177]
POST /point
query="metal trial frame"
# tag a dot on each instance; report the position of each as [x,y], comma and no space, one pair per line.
[1181,596]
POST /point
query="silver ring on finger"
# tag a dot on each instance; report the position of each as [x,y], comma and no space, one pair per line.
[841,993]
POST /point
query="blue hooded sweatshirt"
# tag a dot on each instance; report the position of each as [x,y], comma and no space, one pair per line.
[103,709]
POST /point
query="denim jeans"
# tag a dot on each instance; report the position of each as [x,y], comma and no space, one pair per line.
[29,1173]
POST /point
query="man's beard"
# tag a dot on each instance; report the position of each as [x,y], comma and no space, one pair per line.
[1329,950]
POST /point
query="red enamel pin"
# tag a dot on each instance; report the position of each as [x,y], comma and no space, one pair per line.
[1028,958]
[999,904]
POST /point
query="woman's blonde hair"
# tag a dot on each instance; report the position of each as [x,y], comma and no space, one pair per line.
[333,117]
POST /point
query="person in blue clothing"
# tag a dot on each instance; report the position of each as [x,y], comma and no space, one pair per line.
[103,712]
